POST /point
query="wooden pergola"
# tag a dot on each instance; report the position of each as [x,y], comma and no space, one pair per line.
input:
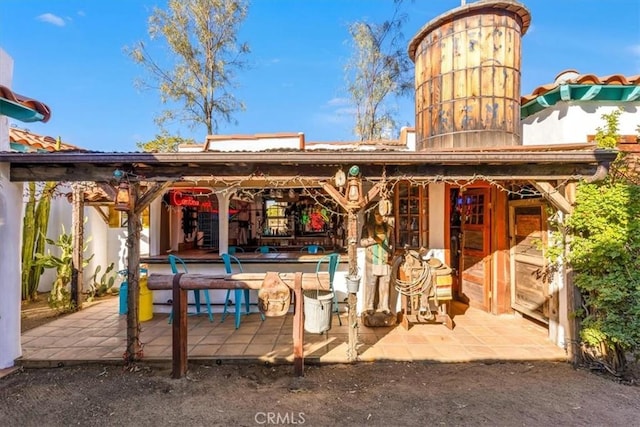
[150,174]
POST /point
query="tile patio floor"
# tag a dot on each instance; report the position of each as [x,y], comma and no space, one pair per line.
[98,334]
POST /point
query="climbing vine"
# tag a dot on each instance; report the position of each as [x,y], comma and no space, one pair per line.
[605,255]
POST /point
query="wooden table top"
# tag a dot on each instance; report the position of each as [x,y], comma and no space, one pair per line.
[207,257]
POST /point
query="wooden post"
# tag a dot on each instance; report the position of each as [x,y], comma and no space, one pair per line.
[298,327]
[78,244]
[179,329]
[352,300]
[134,349]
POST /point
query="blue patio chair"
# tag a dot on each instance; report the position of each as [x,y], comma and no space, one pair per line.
[312,249]
[174,261]
[235,249]
[330,262]
[237,293]
[265,249]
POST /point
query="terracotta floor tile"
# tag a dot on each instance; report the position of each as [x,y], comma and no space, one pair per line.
[206,350]
[239,339]
[424,352]
[264,339]
[231,350]
[99,333]
[258,350]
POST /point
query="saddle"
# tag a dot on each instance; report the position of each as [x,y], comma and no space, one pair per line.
[274,296]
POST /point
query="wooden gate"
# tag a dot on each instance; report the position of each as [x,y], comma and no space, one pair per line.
[475,264]
[529,285]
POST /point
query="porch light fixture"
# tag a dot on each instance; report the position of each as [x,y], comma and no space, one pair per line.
[354,191]
[123,197]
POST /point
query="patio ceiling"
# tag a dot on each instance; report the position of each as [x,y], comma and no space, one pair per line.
[531,163]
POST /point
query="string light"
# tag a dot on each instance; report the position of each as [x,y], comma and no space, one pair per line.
[310,187]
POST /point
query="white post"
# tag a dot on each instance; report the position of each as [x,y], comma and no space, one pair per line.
[223,220]
[10,235]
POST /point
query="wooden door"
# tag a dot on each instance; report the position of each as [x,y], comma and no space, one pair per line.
[475,272]
[529,285]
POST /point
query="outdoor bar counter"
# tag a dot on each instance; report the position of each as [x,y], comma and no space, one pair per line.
[209,262]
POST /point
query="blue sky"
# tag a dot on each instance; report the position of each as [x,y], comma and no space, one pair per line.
[69,54]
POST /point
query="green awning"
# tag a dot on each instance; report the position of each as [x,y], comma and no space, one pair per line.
[19,112]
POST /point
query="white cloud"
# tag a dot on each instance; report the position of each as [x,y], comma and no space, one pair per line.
[635,49]
[333,119]
[338,102]
[51,19]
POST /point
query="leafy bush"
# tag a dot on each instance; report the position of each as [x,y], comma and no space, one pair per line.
[605,255]
[60,296]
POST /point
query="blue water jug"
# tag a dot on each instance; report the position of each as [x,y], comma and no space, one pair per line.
[124,306]
[123,293]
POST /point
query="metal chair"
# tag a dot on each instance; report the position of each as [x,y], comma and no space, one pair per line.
[312,249]
[238,293]
[235,249]
[332,261]
[265,249]
[173,261]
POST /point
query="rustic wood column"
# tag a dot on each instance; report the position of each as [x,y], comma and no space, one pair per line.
[134,349]
[77,219]
[298,327]
[352,299]
[179,329]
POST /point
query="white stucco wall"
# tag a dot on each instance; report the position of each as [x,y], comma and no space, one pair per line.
[256,143]
[10,232]
[571,122]
[107,245]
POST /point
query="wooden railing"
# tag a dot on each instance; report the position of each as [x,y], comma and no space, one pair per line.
[181,283]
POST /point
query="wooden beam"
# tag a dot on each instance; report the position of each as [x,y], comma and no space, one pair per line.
[550,193]
[336,195]
[150,195]
[104,216]
[108,189]
[277,173]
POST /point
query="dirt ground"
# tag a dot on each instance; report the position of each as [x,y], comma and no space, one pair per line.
[376,394]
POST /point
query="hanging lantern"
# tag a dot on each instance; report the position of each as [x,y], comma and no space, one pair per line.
[354,190]
[340,179]
[123,197]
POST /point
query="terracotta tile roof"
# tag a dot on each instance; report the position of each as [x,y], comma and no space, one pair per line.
[32,142]
[575,78]
[32,104]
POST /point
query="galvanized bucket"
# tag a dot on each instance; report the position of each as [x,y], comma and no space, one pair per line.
[317,311]
[353,284]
